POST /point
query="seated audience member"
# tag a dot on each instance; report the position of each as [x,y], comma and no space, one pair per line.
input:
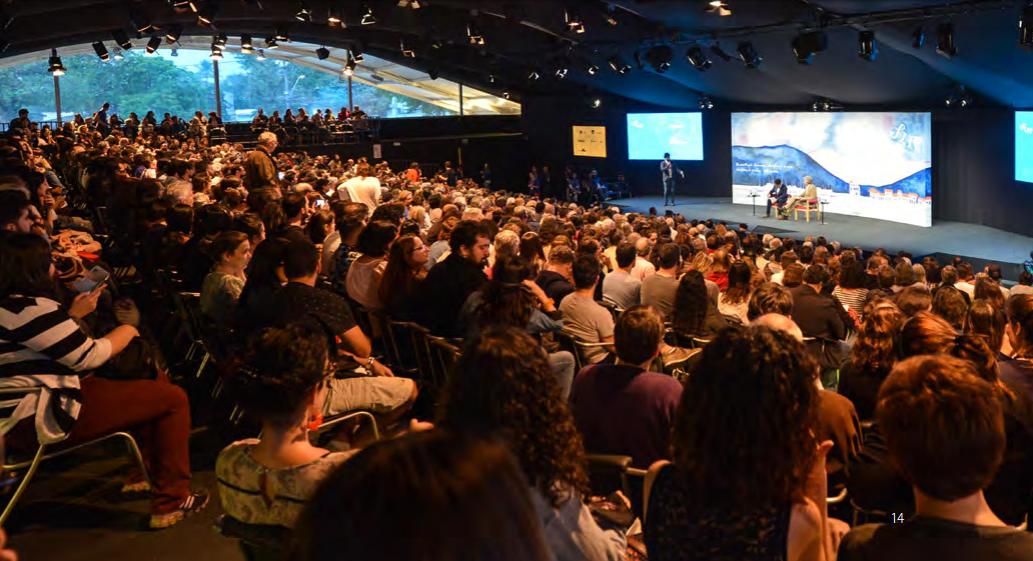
[852,290]
[985,319]
[583,318]
[42,337]
[659,289]
[555,278]
[620,288]
[987,289]
[222,287]
[300,302]
[642,267]
[512,299]
[349,226]
[695,314]
[439,248]
[424,486]
[451,281]
[1012,485]
[952,305]
[769,298]
[1018,372]
[264,277]
[905,275]
[966,280]
[531,250]
[719,272]
[882,282]
[713,501]
[503,370]
[792,276]
[284,385]
[402,276]
[734,302]
[196,263]
[623,408]
[820,316]
[914,299]
[366,272]
[1025,285]
[945,432]
[875,352]
[837,418]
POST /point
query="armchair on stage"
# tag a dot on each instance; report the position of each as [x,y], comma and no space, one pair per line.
[807,207]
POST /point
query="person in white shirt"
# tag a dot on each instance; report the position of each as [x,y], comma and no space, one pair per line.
[364,188]
[643,268]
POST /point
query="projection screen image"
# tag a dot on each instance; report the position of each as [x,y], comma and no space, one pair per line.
[873,165]
[1024,146]
[650,135]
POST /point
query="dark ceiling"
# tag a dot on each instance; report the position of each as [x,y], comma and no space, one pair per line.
[522,36]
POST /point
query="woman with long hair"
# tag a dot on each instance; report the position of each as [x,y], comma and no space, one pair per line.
[720,269]
[873,356]
[751,401]
[366,272]
[503,389]
[431,496]
[42,338]
[402,275]
[851,289]
[734,302]
[283,385]
[532,252]
[221,289]
[989,321]
[694,314]
[265,276]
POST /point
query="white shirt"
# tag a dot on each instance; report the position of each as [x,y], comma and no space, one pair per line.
[365,190]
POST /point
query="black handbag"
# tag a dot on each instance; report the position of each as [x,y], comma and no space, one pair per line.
[135,362]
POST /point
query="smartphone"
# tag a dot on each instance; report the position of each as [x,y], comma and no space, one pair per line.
[96,277]
[320,203]
[281,175]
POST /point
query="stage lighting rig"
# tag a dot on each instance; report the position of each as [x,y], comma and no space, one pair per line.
[866,47]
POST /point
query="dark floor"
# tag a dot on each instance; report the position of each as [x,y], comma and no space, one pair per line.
[74,511]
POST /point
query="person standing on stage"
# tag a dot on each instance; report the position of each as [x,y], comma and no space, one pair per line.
[777,196]
[667,169]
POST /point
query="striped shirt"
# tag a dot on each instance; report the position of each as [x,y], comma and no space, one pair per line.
[855,299]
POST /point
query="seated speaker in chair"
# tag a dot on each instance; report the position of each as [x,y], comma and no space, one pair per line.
[810,192]
[777,196]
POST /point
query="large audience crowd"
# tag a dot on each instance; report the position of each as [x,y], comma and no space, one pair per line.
[749,377]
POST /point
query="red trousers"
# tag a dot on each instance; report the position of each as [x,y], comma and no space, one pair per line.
[156,412]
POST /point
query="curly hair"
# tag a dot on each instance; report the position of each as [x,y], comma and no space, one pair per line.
[929,334]
[690,303]
[750,401]
[503,386]
[875,351]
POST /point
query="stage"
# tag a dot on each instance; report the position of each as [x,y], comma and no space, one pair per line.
[978,245]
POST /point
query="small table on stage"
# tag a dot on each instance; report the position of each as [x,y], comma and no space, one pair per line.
[753,197]
[822,202]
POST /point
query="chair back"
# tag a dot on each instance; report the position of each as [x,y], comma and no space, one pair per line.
[257,542]
[444,356]
[569,344]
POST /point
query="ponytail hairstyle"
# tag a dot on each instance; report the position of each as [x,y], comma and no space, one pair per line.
[928,334]
[506,300]
[986,319]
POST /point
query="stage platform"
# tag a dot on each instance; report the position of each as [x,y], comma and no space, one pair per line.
[978,245]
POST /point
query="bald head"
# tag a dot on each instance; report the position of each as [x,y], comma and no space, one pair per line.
[780,323]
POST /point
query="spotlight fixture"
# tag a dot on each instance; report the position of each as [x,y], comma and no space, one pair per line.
[720,52]
[705,103]
[1026,28]
[118,54]
[261,54]
[945,40]
[121,39]
[473,31]
[322,53]
[619,65]
[505,94]
[806,45]
[826,105]
[918,37]
[368,18]
[101,51]
[222,40]
[333,14]
[749,54]
[349,67]
[659,58]
[533,76]
[959,98]
[596,103]
[866,48]
[270,43]
[140,21]
[433,74]
[698,58]
[573,20]
[216,52]
[55,66]
[592,70]
[282,34]
[492,78]
[153,44]
[356,53]
[561,72]
[217,47]
[610,16]
[246,44]
[718,7]
[181,4]
[406,51]
[303,13]
[174,33]
[207,14]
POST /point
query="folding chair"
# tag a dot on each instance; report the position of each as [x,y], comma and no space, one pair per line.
[444,356]
[608,473]
[11,397]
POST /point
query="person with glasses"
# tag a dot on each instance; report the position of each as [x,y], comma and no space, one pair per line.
[403,274]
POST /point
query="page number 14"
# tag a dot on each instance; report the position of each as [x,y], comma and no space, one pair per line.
[898,517]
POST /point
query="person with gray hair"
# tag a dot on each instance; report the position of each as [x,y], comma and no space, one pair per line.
[259,168]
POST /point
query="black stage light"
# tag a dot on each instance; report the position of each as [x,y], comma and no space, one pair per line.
[153,44]
[866,48]
[561,72]
[1026,28]
[222,39]
[806,45]
[368,18]
[303,13]
[206,15]
[945,40]
[619,65]
[270,43]
[698,58]
[573,21]
[174,33]
[140,21]
[592,70]
[323,53]
[749,54]
[473,31]
[55,66]
[282,34]
[101,51]
[659,58]
[918,37]
[122,39]
[216,52]
[247,45]
[406,51]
